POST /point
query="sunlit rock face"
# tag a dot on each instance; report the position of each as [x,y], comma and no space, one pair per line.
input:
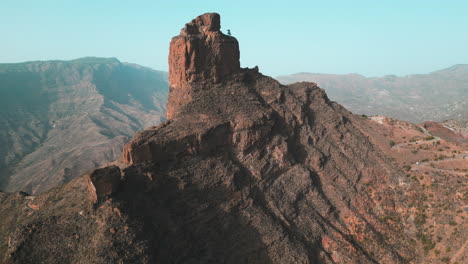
[201,55]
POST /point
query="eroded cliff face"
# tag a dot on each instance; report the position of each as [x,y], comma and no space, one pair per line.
[245,171]
[201,55]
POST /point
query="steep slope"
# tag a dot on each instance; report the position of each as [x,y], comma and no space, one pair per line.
[439,95]
[245,171]
[61,118]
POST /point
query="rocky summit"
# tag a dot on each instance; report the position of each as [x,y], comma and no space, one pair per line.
[201,55]
[245,170]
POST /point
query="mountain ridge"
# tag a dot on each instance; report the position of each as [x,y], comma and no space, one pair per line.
[439,95]
[48,106]
[453,67]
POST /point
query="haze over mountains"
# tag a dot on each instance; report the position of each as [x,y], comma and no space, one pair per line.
[88,108]
[439,95]
[61,118]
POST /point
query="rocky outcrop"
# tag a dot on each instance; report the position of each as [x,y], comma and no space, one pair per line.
[201,55]
[281,162]
[103,182]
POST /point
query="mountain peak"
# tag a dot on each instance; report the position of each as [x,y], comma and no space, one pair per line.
[464,66]
[95,60]
[457,68]
[201,54]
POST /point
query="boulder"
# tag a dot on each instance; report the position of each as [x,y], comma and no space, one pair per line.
[103,182]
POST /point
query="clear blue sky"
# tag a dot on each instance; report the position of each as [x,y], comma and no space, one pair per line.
[371,37]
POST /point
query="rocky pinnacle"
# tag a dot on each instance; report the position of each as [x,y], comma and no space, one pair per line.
[201,54]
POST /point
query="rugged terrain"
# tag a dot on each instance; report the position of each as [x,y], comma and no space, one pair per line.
[439,95]
[434,190]
[61,118]
[245,170]
[458,127]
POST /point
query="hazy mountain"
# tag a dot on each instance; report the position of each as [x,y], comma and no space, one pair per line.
[59,119]
[439,95]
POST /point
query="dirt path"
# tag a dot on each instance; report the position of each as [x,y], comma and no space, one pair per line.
[459,252]
[427,164]
[441,170]
[28,206]
[416,142]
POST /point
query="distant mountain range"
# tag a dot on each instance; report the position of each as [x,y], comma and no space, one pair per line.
[439,95]
[59,119]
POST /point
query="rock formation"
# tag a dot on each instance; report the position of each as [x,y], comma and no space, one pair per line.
[245,171]
[201,55]
[103,182]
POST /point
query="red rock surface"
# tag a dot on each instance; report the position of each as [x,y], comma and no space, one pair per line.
[200,55]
